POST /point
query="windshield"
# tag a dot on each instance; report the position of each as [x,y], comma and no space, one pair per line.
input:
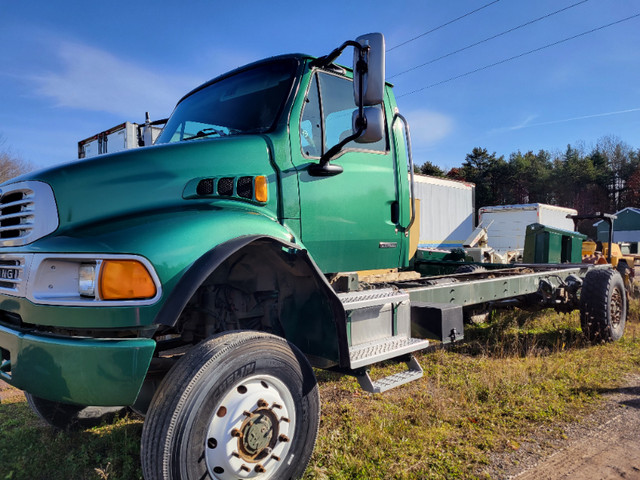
[248,101]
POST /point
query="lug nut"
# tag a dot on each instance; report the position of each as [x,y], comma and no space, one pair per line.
[277,405]
[236,433]
[259,468]
[262,403]
[283,438]
[245,468]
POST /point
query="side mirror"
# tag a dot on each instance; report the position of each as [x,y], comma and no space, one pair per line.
[375,124]
[372,61]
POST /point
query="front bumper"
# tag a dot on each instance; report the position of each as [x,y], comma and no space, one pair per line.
[86,371]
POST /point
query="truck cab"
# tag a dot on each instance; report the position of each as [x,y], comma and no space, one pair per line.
[115,266]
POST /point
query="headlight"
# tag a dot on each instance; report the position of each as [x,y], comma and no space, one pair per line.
[87,279]
[84,279]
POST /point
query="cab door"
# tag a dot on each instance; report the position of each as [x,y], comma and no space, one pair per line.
[348,221]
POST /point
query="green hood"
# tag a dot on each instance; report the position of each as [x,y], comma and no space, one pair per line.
[150,179]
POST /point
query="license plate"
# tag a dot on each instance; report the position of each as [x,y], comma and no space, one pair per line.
[8,273]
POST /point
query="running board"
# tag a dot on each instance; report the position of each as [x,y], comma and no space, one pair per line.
[414,372]
[386,349]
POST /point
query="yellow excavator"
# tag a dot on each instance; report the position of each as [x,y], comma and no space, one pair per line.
[601,253]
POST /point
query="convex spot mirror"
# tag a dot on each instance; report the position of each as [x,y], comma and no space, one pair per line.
[373,80]
[375,125]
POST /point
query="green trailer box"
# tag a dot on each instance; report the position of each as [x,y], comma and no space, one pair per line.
[543,244]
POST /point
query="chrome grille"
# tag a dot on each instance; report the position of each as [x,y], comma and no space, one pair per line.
[16,214]
[27,212]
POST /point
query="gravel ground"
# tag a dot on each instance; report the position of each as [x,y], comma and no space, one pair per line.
[603,446]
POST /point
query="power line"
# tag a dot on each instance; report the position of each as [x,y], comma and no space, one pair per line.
[488,39]
[443,25]
[519,56]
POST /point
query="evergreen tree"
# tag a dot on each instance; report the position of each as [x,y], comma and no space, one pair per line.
[429,168]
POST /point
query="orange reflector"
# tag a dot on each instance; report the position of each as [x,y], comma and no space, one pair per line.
[125,280]
[261,189]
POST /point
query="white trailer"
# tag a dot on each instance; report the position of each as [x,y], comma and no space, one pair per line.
[125,136]
[506,224]
[446,211]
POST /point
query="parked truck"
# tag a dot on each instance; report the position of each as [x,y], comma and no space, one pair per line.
[125,136]
[199,280]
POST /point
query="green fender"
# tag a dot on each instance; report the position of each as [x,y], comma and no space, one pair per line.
[314,322]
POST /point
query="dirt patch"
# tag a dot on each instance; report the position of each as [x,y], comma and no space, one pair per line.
[10,394]
[604,445]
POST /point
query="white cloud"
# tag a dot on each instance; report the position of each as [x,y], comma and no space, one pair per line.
[427,127]
[93,79]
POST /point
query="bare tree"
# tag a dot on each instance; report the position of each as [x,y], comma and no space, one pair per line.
[11,165]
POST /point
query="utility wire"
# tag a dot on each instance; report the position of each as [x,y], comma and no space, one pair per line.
[519,56]
[443,25]
[488,39]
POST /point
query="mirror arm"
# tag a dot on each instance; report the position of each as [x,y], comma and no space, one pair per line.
[322,62]
[323,168]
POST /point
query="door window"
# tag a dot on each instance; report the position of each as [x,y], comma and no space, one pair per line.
[327,117]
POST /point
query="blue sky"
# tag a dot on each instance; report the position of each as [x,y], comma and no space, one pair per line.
[71,69]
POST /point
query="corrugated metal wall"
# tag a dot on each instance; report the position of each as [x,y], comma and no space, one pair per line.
[446,211]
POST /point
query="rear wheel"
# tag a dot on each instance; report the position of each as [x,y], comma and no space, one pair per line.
[239,405]
[603,306]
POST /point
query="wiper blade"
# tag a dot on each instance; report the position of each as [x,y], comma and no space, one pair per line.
[205,132]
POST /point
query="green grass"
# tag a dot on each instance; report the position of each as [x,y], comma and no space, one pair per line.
[29,450]
[516,374]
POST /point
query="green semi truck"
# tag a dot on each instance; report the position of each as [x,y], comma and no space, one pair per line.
[199,281]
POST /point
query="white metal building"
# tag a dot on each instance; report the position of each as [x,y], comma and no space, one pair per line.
[446,211]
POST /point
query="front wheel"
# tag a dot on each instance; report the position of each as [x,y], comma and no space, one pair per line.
[603,306]
[239,405]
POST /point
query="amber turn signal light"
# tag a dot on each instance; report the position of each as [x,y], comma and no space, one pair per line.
[125,280]
[261,189]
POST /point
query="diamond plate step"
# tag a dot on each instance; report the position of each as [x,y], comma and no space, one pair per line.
[414,372]
[377,351]
[369,298]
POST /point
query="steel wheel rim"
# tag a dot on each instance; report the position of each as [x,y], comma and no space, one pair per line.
[251,431]
[616,307]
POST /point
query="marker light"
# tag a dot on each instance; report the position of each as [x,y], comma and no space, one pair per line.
[125,280]
[261,189]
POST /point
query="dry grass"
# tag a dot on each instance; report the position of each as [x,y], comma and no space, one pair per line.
[513,376]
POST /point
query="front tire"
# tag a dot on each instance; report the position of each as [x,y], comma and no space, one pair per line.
[239,405]
[603,306]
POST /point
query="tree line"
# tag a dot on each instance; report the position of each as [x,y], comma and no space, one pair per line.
[604,179]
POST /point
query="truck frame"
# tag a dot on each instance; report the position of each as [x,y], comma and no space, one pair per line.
[269,231]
